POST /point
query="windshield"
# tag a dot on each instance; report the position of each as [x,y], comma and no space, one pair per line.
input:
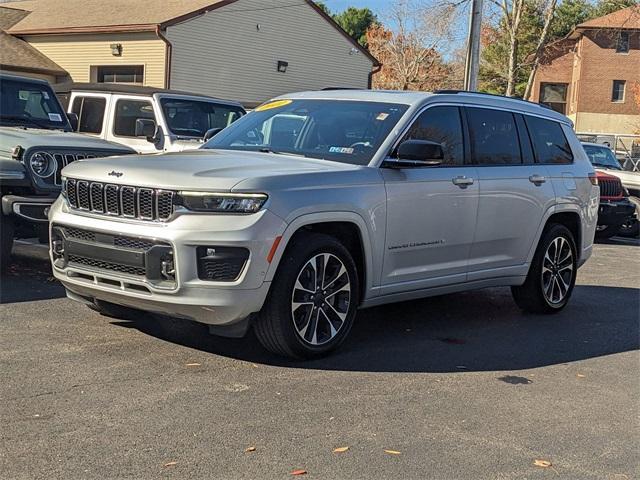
[602,157]
[192,118]
[29,104]
[337,130]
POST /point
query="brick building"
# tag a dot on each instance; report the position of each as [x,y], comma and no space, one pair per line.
[590,76]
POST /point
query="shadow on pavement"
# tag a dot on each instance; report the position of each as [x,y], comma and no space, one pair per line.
[473,331]
[29,276]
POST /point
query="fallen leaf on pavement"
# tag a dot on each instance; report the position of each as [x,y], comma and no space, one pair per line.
[170,464]
[250,449]
[340,449]
[392,452]
[193,364]
[542,463]
[299,472]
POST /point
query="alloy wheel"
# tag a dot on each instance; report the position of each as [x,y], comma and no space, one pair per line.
[320,299]
[557,271]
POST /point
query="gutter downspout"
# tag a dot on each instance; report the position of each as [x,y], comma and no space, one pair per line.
[373,71]
[167,58]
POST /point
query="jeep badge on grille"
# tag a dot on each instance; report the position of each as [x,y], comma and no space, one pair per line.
[113,173]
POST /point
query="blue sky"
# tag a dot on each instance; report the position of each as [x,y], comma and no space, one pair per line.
[377,6]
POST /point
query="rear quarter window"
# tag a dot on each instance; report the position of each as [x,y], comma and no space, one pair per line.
[549,141]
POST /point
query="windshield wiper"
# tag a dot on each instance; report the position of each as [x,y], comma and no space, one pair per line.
[27,118]
[276,152]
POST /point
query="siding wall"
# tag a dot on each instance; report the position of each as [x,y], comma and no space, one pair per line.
[78,53]
[223,53]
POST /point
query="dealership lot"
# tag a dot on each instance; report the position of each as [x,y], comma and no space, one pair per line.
[463,386]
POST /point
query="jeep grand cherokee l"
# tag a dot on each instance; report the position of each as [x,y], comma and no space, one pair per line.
[319,203]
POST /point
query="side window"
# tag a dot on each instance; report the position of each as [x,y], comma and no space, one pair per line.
[90,111]
[127,112]
[442,125]
[494,137]
[549,142]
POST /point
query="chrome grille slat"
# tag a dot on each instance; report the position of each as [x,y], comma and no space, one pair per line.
[141,203]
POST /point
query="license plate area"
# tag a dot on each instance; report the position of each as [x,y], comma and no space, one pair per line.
[144,259]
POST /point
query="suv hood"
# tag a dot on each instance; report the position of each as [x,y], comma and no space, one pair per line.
[628,179]
[205,170]
[37,137]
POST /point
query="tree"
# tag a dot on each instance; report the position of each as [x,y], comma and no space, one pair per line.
[605,7]
[354,21]
[411,52]
[568,14]
[535,60]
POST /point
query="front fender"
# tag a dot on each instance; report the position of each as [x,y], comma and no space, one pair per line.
[326,217]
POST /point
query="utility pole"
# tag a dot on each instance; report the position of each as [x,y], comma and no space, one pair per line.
[472,64]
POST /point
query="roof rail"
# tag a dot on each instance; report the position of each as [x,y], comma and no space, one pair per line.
[492,95]
[325,89]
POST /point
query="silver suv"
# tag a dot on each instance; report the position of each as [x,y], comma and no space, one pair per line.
[319,203]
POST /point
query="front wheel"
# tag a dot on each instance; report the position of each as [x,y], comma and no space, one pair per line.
[552,274]
[313,299]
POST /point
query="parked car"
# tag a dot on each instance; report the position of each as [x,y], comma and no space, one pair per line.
[149,120]
[619,193]
[356,199]
[36,141]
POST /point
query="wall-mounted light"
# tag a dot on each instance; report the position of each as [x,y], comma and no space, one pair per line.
[282,66]
[354,51]
[116,49]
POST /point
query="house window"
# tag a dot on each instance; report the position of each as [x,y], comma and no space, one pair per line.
[554,95]
[617,95]
[121,74]
[622,45]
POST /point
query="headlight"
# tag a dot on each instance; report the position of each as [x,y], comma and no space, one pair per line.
[42,164]
[222,202]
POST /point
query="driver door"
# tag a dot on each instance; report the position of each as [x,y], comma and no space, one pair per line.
[431,211]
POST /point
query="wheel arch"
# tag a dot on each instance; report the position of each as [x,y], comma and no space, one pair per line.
[349,228]
[569,216]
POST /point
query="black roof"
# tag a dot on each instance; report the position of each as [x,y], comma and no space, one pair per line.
[62,88]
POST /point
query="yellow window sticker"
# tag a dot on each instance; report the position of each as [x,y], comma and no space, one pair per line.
[270,105]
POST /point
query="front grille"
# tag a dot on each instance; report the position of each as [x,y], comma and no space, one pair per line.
[120,200]
[114,267]
[65,158]
[610,187]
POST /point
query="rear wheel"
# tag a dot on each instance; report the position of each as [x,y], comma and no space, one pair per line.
[6,242]
[313,299]
[552,274]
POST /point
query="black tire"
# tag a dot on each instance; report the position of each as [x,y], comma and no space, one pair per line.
[631,228]
[531,296]
[115,311]
[7,230]
[276,326]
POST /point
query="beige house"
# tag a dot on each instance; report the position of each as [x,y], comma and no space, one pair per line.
[247,50]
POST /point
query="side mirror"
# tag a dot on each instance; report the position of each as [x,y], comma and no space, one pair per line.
[421,151]
[416,153]
[212,132]
[73,121]
[146,127]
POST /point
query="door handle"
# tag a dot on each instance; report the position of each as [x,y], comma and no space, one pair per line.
[462,181]
[537,179]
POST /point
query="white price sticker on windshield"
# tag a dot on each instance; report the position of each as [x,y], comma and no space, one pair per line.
[55,117]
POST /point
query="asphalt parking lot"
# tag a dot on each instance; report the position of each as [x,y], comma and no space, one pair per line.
[459,387]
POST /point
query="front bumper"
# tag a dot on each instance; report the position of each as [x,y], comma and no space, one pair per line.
[615,212]
[30,209]
[187,296]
